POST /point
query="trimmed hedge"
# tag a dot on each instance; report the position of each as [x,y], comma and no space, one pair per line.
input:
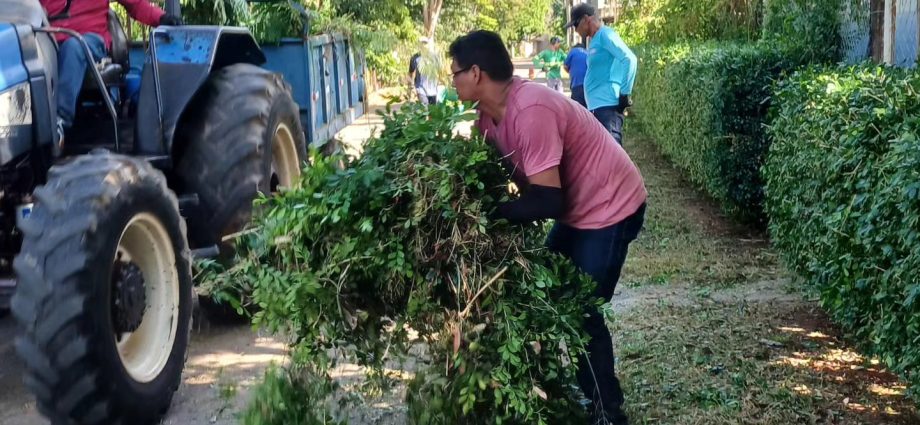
[705,106]
[843,197]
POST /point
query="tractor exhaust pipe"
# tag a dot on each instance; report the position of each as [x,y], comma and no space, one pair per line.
[172,8]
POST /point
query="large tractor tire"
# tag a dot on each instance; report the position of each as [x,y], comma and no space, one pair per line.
[247,138]
[104,300]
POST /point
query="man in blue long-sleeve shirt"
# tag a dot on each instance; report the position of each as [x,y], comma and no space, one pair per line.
[576,64]
[611,69]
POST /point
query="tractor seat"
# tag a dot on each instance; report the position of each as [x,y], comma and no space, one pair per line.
[114,67]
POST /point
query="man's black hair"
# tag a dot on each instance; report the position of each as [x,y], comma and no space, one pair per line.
[486,50]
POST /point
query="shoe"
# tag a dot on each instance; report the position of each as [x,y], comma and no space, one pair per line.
[614,418]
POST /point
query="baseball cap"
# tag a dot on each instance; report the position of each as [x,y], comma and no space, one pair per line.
[579,12]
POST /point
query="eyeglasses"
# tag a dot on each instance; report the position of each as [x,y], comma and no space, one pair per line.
[456,73]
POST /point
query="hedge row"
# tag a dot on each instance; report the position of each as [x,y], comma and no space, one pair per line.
[843,197]
[706,105]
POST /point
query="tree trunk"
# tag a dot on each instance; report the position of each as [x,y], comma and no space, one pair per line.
[432,12]
[877,30]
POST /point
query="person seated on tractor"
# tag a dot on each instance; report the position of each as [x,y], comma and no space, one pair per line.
[90,19]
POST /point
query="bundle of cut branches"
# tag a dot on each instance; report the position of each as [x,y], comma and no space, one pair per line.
[352,262]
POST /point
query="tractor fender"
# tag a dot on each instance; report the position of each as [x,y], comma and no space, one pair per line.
[27,57]
[179,61]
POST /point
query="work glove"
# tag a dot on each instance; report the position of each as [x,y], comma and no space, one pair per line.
[170,20]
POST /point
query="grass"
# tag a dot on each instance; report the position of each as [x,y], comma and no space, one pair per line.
[729,337]
[764,363]
[686,238]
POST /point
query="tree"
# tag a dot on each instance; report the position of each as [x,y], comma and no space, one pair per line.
[432,12]
[529,18]
[459,17]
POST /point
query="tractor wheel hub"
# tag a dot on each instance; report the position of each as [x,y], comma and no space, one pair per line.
[129,300]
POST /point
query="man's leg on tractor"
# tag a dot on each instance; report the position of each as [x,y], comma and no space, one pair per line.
[72,66]
[600,253]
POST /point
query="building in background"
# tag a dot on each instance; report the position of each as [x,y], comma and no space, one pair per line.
[608,10]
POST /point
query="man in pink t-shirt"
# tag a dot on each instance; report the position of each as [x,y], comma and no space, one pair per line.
[574,172]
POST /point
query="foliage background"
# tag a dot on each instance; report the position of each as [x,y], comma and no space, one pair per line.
[388,30]
[705,82]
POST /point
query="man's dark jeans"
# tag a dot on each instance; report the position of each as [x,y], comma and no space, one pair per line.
[72,66]
[600,253]
[578,95]
[611,117]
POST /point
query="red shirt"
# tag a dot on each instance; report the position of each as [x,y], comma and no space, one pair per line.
[542,129]
[91,16]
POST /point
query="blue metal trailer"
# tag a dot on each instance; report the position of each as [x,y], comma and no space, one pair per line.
[326,74]
[327,77]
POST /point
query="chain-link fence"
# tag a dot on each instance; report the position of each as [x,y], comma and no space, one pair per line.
[855,31]
[886,30]
[905,33]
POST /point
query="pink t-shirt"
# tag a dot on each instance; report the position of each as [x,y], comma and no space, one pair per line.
[543,129]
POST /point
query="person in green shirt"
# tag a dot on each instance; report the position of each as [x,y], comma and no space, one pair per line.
[550,61]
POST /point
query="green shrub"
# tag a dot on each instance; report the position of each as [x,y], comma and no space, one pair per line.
[705,107]
[843,198]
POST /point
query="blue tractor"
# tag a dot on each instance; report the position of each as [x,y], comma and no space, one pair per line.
[99,225]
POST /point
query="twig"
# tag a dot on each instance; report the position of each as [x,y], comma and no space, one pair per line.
[241,233]
[481,290]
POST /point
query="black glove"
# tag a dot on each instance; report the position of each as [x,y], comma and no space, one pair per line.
[170,20]
[536,203]
[624,102]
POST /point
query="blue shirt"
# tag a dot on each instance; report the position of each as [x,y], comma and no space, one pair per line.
[577,64]
[611,69]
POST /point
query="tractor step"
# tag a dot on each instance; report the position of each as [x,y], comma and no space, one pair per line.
[7,287]
[188,203]
[160,162]
[206,252]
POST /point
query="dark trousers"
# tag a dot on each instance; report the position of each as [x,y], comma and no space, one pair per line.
[578,95]
[72,66]
[611,117]
[600,253]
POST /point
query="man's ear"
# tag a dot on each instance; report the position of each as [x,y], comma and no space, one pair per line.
[477,73]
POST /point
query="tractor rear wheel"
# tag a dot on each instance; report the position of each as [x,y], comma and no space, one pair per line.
[247,139]
[104,300]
